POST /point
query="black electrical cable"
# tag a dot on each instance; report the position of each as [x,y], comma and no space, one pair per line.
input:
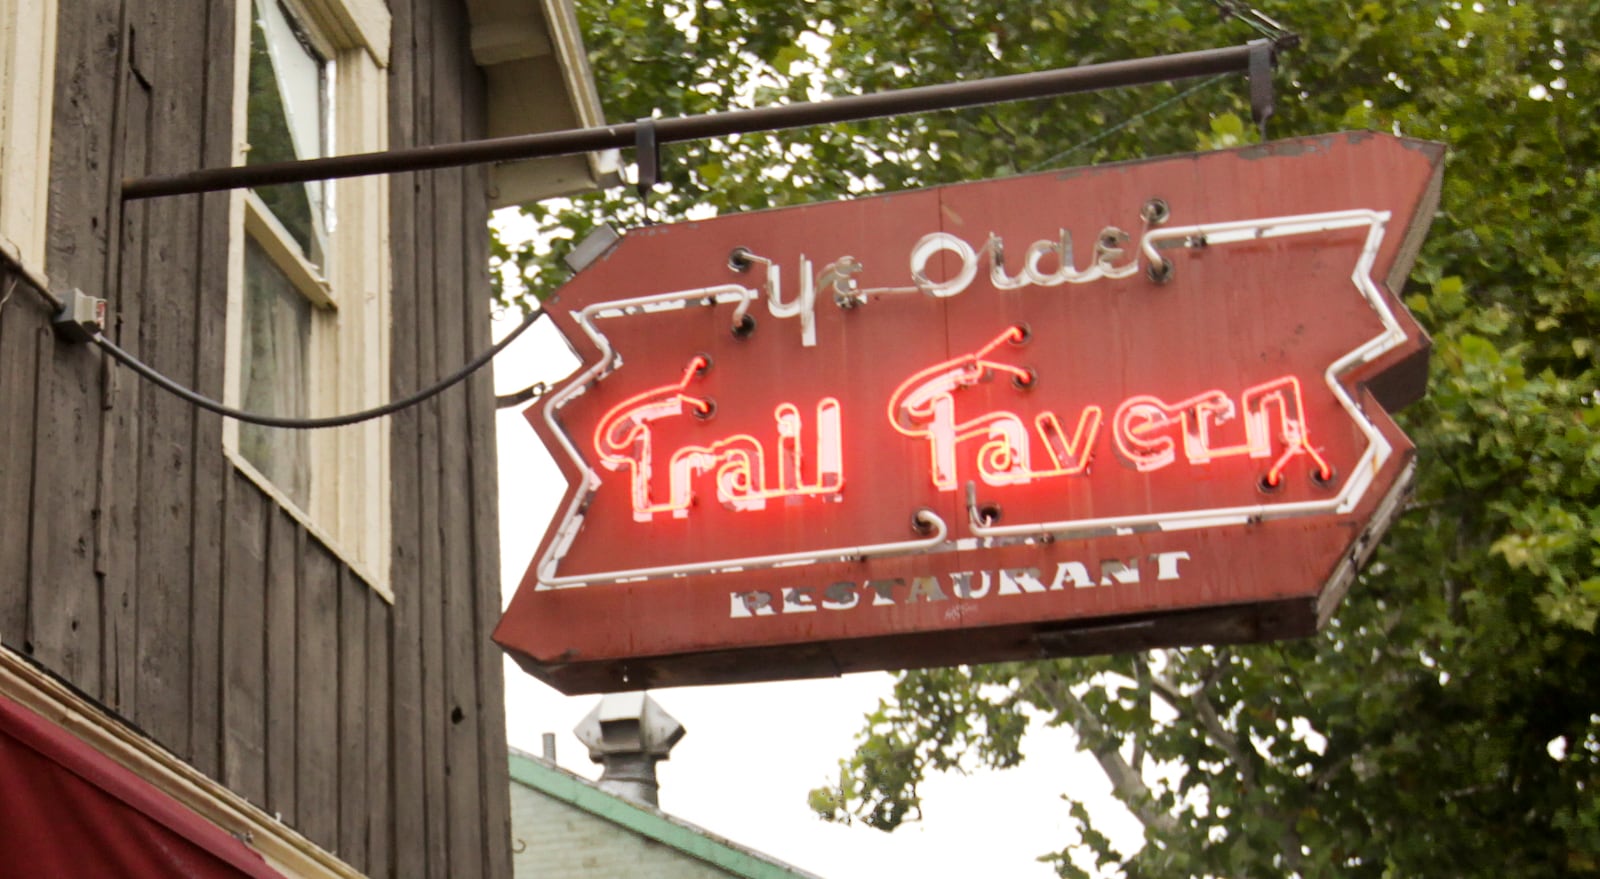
[389,408]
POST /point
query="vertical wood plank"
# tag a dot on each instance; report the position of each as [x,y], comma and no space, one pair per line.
[380,739]
[354,595]
[63,605]
[459,615]
[122,552]
[63,624]
[18,393]
[165,701]
[493,759]
[80,152]
[244,642]
[317,714]
[207,305]
[285,547]
[409,775]
[429,17]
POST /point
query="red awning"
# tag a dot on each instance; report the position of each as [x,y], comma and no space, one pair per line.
[68,811]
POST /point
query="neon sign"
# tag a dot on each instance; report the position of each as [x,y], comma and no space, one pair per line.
[1143,430]
[837,433]
[839,276]
[1146,432]
[624,441]
[1139,423]
[924,407]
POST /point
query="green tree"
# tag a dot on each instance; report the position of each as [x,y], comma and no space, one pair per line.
[1447,723]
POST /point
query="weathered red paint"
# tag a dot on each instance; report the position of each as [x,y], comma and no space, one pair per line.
[1102,357]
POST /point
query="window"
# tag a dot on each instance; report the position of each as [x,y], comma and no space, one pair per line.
[27,87]
[308,328]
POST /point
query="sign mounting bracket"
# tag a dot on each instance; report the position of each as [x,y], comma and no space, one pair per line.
[1262,54]
[919,99]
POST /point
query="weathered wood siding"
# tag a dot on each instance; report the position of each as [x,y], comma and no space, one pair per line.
[136,563]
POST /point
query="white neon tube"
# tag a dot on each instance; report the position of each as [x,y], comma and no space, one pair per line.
[1378,449]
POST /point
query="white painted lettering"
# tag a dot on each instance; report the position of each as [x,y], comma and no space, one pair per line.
[1167,564]
[926,589]
[801,599]
[754,603]
[1015,581]
[883,590]
[1113,571]
[964,585]
[839,596]
[1074,571]
[962,582]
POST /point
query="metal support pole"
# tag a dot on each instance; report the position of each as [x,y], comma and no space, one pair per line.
[1262,61]
[1069,80]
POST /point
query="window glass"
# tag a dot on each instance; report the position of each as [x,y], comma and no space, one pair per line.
[308,305]
[276,374]
[288,114]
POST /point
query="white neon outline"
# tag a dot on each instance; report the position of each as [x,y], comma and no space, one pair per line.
[572,520]
[1378,449]
[932,243]
[804,306]
[1366,470]
[777,560]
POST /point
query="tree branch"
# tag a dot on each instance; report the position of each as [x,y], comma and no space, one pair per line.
[1125,780]
[1289,842]
[1226,740]
[1141,676]
[1169,693]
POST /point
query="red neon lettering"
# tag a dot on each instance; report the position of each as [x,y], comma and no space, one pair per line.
[1146,431]
[737,464]
[923,407]
[1139,423]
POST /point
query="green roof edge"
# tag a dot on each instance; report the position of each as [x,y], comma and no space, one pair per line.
[692,841]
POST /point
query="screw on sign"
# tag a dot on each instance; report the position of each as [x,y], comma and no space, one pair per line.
[1088,411]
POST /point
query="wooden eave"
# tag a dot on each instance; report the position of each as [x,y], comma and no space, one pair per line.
[538,76]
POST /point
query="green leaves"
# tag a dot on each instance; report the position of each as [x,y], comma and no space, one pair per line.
[1412,737]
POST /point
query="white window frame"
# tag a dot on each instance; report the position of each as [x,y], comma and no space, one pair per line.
[27,94]
[349,506]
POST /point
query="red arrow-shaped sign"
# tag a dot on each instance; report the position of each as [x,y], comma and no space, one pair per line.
[1087,411]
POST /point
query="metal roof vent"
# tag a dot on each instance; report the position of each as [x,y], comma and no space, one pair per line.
[628,733]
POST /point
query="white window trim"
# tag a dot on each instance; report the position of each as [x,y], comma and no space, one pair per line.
[27,94]
[349,509]
[266,230]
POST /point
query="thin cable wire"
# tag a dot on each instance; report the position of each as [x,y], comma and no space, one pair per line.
[389,408]
[1255,20]
[1126,122]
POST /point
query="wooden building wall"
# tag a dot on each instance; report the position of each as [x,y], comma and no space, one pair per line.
[136,563]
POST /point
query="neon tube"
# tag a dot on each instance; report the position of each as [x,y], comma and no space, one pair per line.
[1378,449]
[549,580]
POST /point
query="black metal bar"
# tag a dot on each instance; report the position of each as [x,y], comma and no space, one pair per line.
[647,155]
[1261,64]
[647,152]
[1089,77]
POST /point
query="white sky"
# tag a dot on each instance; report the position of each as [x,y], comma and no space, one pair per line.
[753,751]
